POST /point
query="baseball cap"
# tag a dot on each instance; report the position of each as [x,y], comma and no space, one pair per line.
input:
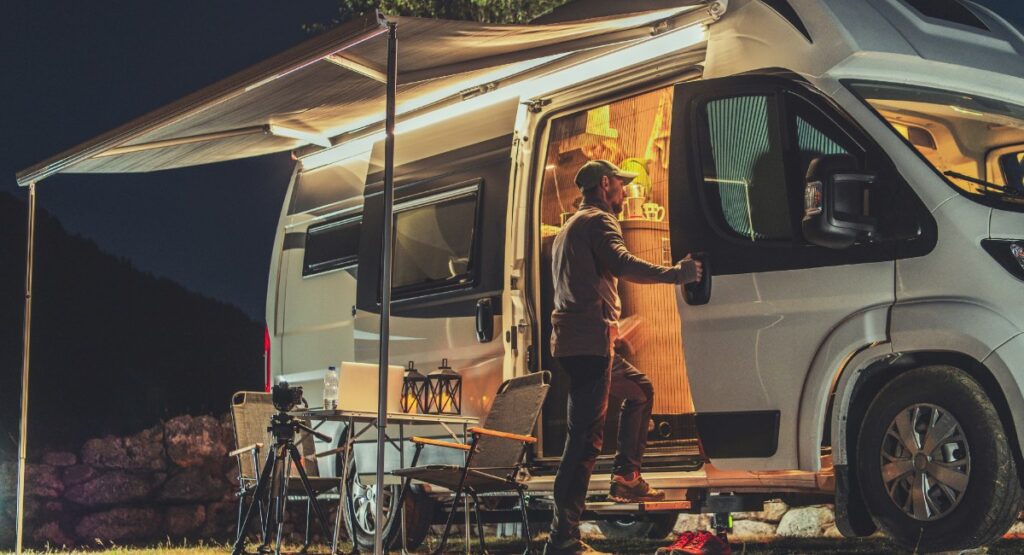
[591,173]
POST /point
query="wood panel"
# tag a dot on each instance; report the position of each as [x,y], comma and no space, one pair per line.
[659,352]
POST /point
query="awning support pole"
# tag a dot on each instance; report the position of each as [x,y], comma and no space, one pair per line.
[385,280]
[23,429]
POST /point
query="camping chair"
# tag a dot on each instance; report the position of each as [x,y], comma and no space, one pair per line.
[250,416]
[494,456]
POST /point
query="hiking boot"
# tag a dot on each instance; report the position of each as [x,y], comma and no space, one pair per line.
[636,490]
[677,546]
[575,547]
[706,543]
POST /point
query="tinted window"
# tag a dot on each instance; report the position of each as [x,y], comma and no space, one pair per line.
[331,245]
[1013,170]
[434,241]
[744,170]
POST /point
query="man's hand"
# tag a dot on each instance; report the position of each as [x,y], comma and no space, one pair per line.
[698,269]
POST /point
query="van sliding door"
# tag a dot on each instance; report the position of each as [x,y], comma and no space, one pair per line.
[449,245]
[741,148]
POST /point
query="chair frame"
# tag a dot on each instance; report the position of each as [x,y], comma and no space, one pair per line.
[509,479]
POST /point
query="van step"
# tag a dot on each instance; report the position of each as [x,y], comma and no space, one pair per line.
[613,508]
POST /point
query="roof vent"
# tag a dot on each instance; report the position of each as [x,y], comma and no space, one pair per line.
[948,10]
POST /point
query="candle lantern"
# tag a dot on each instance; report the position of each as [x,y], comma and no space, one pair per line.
[415,391]
[445,390]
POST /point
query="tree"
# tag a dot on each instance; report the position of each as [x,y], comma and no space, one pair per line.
[486,11]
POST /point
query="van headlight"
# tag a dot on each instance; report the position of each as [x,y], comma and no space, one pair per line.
[1008,253]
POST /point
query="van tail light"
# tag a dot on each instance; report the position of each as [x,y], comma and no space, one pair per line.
[266,359]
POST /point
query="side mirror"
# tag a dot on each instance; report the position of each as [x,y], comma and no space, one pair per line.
[837,202]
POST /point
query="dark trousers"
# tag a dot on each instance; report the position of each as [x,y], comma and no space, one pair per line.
[593,378]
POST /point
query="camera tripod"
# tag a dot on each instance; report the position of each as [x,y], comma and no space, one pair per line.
[275,475]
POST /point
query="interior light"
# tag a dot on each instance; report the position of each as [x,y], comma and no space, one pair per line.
[647,50]
[967,111]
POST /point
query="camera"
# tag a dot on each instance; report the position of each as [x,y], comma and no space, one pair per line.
[286,398]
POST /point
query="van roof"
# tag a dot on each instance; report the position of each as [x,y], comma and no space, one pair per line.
[331,85]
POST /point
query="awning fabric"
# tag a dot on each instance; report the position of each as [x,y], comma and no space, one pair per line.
[332,84]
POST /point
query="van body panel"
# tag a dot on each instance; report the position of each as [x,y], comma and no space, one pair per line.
[858,332]
[1006,225]
[754,36]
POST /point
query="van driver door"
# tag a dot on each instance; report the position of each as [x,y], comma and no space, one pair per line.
[741,147]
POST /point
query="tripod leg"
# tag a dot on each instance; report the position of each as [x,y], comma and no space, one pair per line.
[309,492]
[261,485]
[281,502]
[305,542]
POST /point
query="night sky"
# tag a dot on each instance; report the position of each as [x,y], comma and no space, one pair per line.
[74,69]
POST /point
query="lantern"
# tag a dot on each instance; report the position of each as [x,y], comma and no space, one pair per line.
[445,390]
[415,391]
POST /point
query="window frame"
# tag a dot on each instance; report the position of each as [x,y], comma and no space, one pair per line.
[467,280]
[342,263]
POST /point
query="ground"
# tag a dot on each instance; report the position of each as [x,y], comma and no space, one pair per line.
[776,547]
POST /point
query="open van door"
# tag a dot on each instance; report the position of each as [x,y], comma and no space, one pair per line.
[740,155]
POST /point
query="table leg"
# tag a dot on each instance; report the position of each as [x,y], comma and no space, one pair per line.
[465,500]
[401,464]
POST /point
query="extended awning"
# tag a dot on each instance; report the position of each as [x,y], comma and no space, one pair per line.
[331,85]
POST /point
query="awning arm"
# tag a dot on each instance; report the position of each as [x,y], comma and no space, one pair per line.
[340,38]
[363,68]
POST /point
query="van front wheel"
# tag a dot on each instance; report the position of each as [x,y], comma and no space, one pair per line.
[934,463]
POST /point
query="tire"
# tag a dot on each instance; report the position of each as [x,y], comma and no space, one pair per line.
[625,528]
[359,510]
[976,495]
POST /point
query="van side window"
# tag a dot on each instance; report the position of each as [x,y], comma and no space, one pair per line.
[434,240]
[744,169]
[331,245]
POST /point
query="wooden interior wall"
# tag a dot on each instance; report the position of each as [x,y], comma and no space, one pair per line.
[631,128]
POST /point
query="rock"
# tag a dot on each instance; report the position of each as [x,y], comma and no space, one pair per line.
[773,511]
[143,451]
[146,450]
[105,452]
[194,441]
[183,520]
[752,530]
[42,480]
[52,536]
[193,484]
[109,489]
[59,458]
[221,521]
[832,532]
[120,524]
[806,522]
[691,522]
[1016,531]
[74,475]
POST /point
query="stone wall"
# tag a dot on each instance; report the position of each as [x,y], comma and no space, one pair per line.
[173,481]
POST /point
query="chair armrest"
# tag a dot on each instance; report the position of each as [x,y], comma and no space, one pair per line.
[439,443]
[329,452]
[504,435]
[240,450]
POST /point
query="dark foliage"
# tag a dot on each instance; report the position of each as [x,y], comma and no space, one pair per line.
[488,11]
[114,350]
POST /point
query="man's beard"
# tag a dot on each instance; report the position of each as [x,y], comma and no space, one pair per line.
[616,207]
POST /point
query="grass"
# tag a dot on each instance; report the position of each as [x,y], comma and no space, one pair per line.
[784,546]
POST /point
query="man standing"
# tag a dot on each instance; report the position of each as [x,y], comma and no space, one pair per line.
[588,257]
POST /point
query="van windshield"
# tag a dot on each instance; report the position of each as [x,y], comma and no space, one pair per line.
[976,143]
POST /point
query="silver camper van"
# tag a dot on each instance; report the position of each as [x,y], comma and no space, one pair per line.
[854,174]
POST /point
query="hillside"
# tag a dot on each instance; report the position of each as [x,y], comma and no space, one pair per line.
[114,350]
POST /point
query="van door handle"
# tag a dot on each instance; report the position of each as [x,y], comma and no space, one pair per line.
[699,292]
[484,320]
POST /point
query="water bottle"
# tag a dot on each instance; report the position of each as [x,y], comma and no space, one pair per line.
[331,389]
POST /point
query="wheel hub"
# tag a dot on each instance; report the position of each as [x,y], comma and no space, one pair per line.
[926,461]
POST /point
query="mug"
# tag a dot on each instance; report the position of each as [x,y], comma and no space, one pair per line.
[654,211]
[632,208]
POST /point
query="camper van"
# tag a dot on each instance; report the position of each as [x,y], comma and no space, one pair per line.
[853,173]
